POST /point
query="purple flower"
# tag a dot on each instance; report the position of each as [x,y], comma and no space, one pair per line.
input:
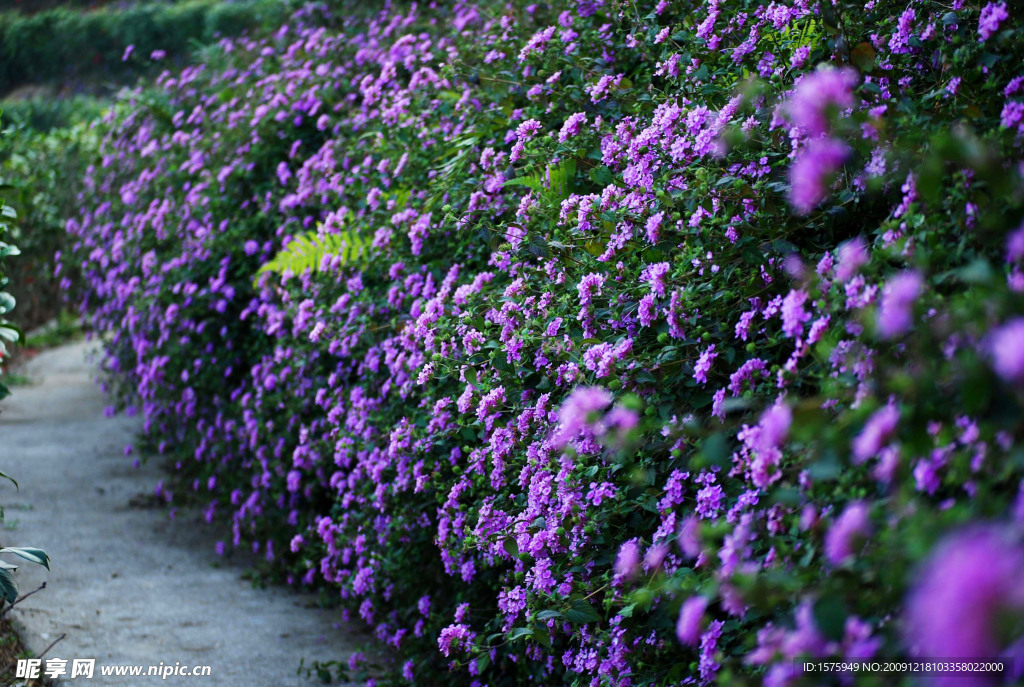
[876,433]
[601,358]
[1015,245]
[688,537]
[991,16]
[709,501]
[1007,350]
[655,556]
[537,42]
[653,226]
[647,310]
[816,94]
[708,665]
[527,129]
[851,255]
[690,616]
[454,637]
[810,173]
[621,421]
[654,275]
[628,560]
[895,313]
[524,132]
[774,425]
[846,531]
[491,401]
[576,411]
[589,287]
[571,127]
[969,582]
[700,370]
[793,313]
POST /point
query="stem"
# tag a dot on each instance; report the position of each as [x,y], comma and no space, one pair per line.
[12,666]
[22,598]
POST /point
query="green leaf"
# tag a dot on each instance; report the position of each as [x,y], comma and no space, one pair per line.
[581,612]
[602,176]
[7,302]
[483,662]
[541,636]
[826,470]
[13,481]
[549,615]
[8,587]
[830,617]
[556,183]
[863,55]
[978,272]
[519,633]
[29,554]
[471,377]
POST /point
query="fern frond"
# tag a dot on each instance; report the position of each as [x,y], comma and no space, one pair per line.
[556,183]
[307,252]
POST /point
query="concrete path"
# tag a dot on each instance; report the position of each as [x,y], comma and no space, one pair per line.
[128,585]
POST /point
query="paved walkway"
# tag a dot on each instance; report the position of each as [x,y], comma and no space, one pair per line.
[128,585]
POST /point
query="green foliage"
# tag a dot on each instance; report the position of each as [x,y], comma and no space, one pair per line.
[65,43]
[554,182]
[64,328]
[306,252]
[8,584]
[41,174]
[43,114]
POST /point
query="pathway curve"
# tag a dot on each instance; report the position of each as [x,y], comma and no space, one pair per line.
[128,585]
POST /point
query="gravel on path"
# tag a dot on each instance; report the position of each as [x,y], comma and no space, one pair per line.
[128,585]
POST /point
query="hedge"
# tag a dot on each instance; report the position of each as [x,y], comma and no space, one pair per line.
[635,343]
[70,45]
[41,175]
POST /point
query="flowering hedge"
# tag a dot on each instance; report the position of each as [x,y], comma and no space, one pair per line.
[625,343]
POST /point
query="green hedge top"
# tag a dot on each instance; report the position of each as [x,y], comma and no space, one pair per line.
[64,44]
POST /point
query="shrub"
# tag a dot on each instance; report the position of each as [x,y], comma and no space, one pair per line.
[41,174]
[67,45]
[45,114]
[623,343]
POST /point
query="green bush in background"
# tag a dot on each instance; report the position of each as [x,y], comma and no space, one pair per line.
[40,174]
[44,114]
[66,44]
